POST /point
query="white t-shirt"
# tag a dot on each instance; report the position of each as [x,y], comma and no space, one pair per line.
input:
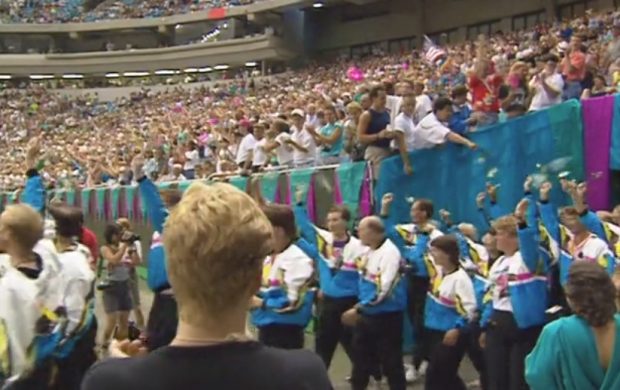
[393,104]
[541,98]
[404,124]
[246,146]
[429,132]
[284,152]
[423,105]
[260,157]
[303,138]
[192,158]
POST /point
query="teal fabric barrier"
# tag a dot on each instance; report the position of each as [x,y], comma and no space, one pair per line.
[350,178]
[100,198]
[115,195]
[240,182]
[614,150]
[130,195]
[269,185]
[451,176]
[85,195]
[300,179]
[71,197]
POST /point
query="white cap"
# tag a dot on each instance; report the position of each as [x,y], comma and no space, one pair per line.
[299,112]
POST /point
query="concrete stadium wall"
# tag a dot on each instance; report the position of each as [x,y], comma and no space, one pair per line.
[409,18]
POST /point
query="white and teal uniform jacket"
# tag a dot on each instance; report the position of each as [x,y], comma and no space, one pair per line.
[606,231]
[450,300]
[32,319]
[286,283]
[157,278]
[78,297]
[518,283]
[474,260]
[337,266]
[592,249]
[382,288]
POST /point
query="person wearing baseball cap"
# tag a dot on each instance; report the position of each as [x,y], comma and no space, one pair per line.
[304,147]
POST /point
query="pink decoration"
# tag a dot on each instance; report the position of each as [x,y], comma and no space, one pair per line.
[355,74]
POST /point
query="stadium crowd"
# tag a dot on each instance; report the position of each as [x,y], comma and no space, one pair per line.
[218,253]
[45,11]
[313,116]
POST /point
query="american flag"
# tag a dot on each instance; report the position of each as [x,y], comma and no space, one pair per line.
[433,53]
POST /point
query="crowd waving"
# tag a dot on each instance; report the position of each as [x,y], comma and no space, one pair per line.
[45,11]
[531,299]
[313,115]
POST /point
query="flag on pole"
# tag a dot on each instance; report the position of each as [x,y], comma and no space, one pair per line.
[433,54]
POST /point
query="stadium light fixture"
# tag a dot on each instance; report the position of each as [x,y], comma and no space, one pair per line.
[112,75]
[221,67]
[318,4]
[205,69]
[135,74]
[72,76]
[190,70]
[163,72]
[5,77]
[41,76]
[251,64]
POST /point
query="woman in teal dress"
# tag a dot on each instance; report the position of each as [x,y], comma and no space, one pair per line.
[580,352]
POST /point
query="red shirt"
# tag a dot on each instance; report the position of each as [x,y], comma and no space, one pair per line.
[90,240]
[484,94]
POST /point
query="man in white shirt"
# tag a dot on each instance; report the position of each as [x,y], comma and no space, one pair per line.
[432,130]
[403,132]
[548,86]
[280,144]
[259,153]
[192,158]
[304,147]
[246,148]
[423,103]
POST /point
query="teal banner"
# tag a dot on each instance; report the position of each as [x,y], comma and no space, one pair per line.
[269,185]
[350,178]
[100,199]
[71,197]
[240,182]
[300,179]
[85,195]
[115,194]
[130,195]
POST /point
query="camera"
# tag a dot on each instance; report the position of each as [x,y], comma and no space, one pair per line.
[130,237]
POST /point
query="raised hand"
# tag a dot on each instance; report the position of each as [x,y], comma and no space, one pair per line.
[445,215]
[521,209]
[492,192]
[480,199]
[545,189]
[527,185]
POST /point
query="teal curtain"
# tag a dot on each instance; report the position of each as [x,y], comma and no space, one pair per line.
[71,197]
[240,182]
[451,176]
[350,178]
[130,195]
[85,194]
[114,197]
[100,198]
[269,185]
[567,127]
[300,179]
[184,185]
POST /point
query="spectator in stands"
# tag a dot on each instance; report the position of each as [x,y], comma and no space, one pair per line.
[433,130]
[352,146]
[216,239]
[461,120]
[403,141]
[574,69]
[599,88]
[547,86]
[423,103]
[330,137]
[374,129]
[304,153]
